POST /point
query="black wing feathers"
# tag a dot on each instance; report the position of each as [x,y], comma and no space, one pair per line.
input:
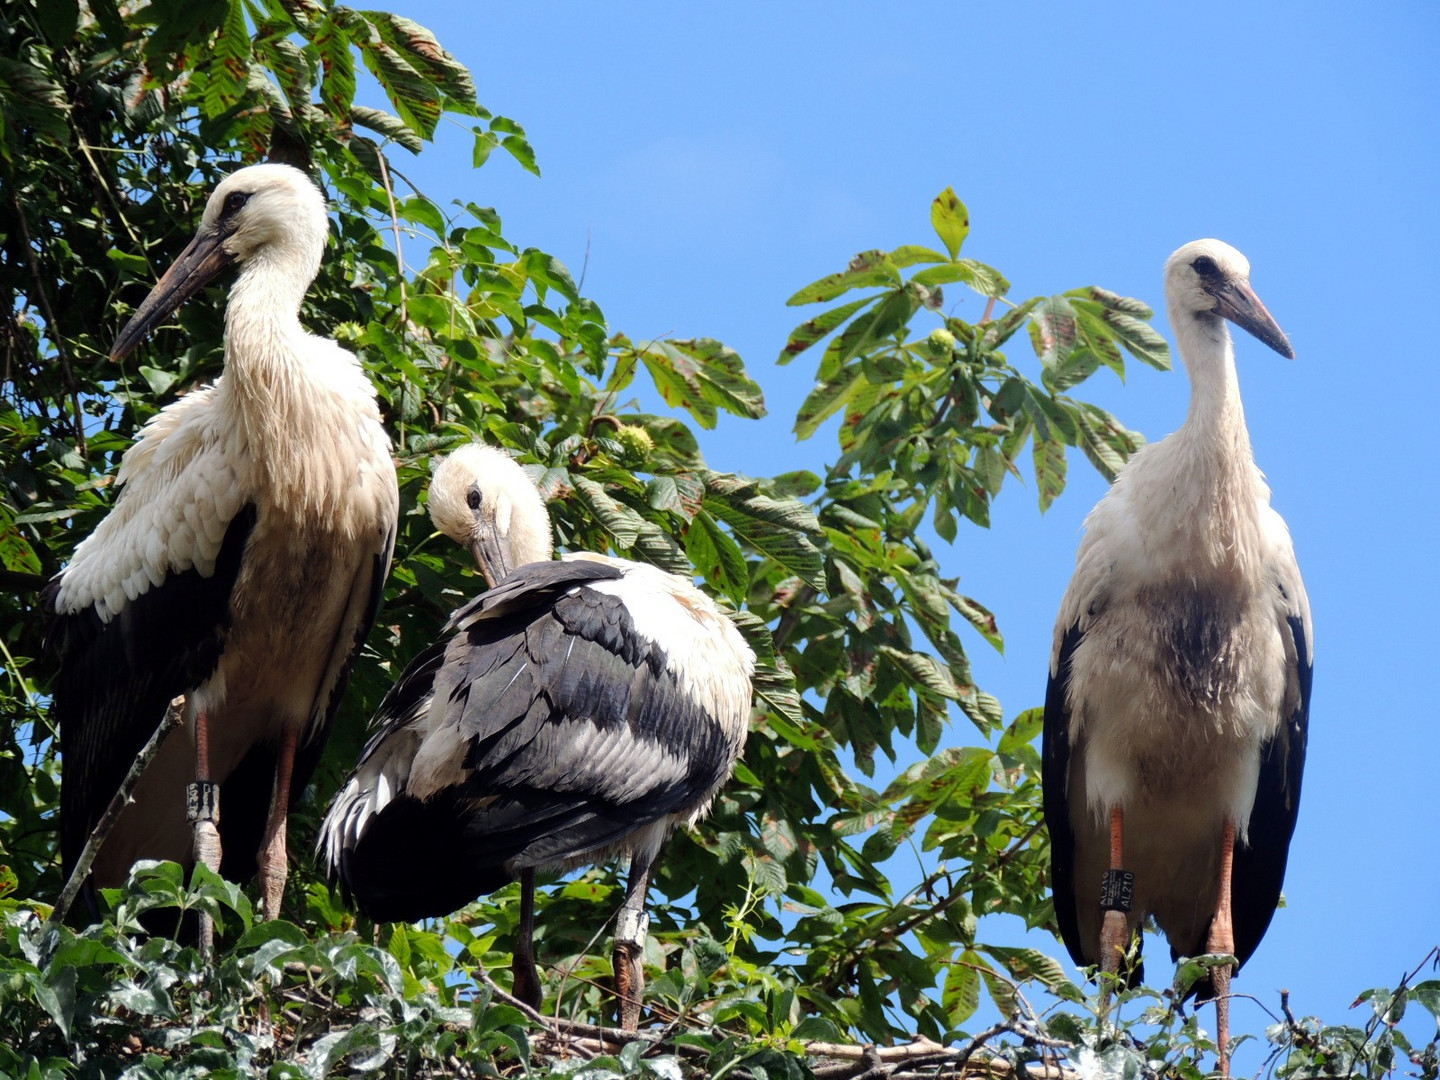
[575,732]
[1055,776]
[1259,867]
[117,678]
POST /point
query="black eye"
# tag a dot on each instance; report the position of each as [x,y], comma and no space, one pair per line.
[1205,267]
[472,498]
[234,201]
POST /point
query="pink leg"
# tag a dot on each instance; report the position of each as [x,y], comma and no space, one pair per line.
[274,858]
[1114,930]
[1222,940]
[203,809]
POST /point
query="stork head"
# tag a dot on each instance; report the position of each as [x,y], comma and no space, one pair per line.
[1210,278]
[259,211]
[481,497]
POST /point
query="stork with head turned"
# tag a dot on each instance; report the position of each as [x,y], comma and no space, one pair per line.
[579,708]
[1175,720]
[241,565]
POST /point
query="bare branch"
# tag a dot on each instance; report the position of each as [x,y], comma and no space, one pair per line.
[98,835]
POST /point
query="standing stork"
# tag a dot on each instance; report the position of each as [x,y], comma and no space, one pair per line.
[579,708]
[1175,719]
[241,566]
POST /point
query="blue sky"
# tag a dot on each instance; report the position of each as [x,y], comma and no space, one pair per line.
[712,159]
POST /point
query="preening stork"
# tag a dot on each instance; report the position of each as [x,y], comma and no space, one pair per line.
[579,708]
[1175,719]
[242,563]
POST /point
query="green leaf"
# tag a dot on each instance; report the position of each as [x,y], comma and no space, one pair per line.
[36,100]
[780,529]
[1049,456]
[717,557]
[951,220]
[818,328]
[867,269]
[337,85]
[413,96]
[58,20]
[960,996]
[700,375]
[1024,963]
[425,55]
[618,519]
[16,554]
[56,996]
[391,127]
[910,254]
[823,402]
[1123,320]
[924,671]
[518,147]
[985,280]
[1001,992]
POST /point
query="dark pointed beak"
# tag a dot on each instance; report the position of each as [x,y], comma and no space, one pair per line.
[491,556]
[1237,302]
[197,265]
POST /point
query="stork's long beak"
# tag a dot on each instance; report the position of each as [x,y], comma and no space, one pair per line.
[198,263]
[492,556]
[1237,302]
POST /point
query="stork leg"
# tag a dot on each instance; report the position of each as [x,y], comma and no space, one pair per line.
[525,982]
[1114,929]
[631,926]
[203,810]
[1222,940]
[274,859]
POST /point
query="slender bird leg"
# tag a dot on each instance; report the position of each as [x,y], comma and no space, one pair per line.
[525,982]
[274,858]
[631,926]
[202,807]
[1115,899]
[1222,940]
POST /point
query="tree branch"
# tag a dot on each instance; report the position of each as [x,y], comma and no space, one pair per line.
[173,715]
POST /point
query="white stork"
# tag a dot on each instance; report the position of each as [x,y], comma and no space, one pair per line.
[1175,720]
[242,563]
[579,708]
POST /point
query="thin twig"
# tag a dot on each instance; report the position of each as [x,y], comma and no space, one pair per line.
[173,715]
[905,926]
[395,231]
[786,626]
[104,186]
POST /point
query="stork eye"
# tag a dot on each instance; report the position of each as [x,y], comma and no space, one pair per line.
[234,201]
[472,498]
[1206,267]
